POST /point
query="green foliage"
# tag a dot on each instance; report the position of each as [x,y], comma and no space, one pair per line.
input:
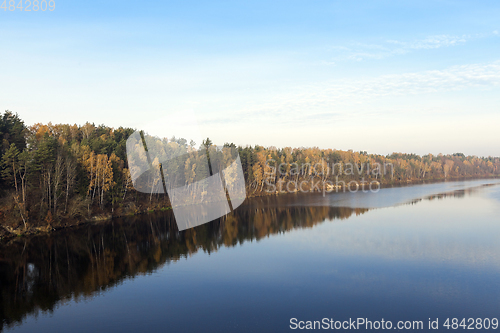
[9,165]
[12,132]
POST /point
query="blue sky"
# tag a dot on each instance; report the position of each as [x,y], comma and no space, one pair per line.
[379,76]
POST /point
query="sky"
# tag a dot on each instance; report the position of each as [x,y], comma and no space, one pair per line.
[378,76]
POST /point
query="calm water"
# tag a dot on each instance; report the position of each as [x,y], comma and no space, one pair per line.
[411,253]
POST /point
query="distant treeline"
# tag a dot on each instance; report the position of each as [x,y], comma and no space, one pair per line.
[54,175]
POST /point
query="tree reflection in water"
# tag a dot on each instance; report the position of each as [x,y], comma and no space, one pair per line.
[38,273]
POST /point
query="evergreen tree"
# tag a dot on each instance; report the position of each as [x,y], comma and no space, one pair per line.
[10,166]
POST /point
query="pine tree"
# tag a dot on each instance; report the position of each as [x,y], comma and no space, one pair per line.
[10,166]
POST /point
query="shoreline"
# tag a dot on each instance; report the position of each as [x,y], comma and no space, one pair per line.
[7,233]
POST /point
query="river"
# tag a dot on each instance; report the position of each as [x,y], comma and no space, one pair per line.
[415,253]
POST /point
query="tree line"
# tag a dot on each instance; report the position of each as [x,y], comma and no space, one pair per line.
[58,174]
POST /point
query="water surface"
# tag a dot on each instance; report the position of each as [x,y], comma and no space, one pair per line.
[410,253]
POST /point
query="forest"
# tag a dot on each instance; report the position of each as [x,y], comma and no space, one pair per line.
[56,175]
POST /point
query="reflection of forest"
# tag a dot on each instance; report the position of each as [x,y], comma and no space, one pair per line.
[37,273]
[454,194]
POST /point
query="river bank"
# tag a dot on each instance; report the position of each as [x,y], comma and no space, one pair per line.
[7,233]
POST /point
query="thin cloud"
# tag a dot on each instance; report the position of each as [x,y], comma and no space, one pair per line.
[319,99]
[432,42]
[390,48]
